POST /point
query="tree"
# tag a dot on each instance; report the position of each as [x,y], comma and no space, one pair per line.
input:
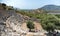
[50,27]
[4,5]
[30,25]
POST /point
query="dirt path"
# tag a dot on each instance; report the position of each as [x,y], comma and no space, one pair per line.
[38,26]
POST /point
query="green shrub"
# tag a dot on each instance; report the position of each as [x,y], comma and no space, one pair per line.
[30,25]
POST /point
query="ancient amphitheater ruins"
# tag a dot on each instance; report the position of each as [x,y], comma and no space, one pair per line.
[14,25]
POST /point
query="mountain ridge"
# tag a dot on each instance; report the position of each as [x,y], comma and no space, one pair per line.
[50,7]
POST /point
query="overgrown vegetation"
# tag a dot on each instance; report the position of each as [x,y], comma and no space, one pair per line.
[48,21]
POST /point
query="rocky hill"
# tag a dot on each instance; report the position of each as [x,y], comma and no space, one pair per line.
[51,7]
[14,24]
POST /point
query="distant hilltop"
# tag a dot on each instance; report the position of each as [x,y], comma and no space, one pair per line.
[50,7]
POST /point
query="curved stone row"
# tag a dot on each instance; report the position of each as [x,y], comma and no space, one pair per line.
[13,24]
[12,27]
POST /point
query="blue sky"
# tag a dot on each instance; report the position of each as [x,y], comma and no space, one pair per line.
[30,4]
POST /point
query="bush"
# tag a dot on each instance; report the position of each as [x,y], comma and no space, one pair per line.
[3,4]
[30,25]
[50,27]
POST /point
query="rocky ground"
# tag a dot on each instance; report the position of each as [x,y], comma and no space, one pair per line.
[15,25]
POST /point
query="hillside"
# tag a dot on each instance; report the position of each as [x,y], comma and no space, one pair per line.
[51,7]
[14,22]
[45,9]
